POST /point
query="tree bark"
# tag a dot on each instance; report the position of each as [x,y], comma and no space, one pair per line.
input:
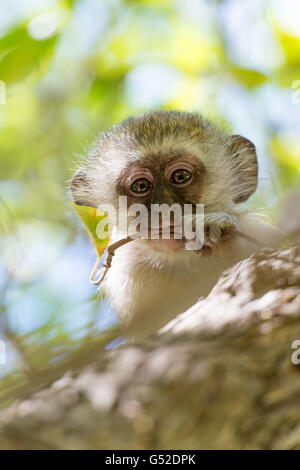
[220,375]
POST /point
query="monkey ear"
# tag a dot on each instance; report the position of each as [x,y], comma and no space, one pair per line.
[80,189]
[245,167]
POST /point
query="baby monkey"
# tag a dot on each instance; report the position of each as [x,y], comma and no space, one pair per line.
[170,157]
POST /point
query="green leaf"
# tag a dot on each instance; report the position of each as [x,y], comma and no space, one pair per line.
[90,218]
[21,55]
[247,77]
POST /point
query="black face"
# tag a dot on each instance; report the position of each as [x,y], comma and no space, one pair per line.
[176,180]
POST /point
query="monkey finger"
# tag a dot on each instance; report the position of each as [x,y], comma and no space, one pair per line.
[212,235]
[226,236]
[205,252]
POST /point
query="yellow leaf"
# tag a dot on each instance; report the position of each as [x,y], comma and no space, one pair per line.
[91,218]
[290,45]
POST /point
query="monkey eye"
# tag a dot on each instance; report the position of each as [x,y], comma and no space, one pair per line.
[180,176]
[141,186]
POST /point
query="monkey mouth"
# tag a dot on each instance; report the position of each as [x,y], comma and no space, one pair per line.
[167,238]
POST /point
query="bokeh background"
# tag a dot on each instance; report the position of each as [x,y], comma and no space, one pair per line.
[70,69]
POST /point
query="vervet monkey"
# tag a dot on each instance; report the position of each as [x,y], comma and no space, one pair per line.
[171,157]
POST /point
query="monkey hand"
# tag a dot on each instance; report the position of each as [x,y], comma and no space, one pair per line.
[217,226]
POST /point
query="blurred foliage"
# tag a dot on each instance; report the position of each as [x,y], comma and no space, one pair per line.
[73,68]
[15,65]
